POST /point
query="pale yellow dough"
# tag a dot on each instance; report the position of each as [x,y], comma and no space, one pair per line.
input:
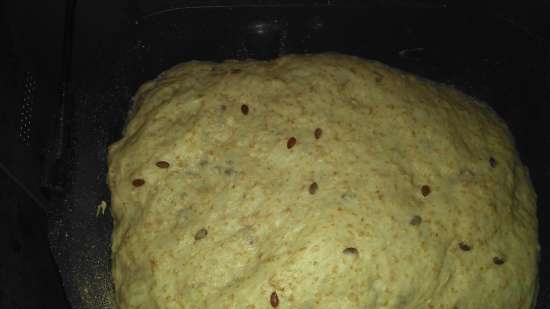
[232,219]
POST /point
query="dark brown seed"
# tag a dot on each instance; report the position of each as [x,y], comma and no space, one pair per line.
[291,142]
[138,182]
[318,132]
[416,220]
[425,190]
[201,234]
[223,108]
[351,251]
[244,109]
[313,188]
[498,260]
[235,71]
[464,247]
[493,162]
[274,299]
[163,164]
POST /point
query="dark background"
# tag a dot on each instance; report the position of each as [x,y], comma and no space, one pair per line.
[69,69]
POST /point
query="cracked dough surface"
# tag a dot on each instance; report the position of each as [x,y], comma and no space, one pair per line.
[419,201]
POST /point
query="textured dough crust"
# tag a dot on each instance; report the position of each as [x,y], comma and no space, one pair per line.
[420,199]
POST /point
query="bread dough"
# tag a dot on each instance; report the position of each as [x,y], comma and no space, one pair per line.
[317,181]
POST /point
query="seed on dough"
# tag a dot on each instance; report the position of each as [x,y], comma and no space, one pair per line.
[244,109]
[498,260]
[313,188]
[235,71]
[351,252]
[464,247]
[425,190]
[291,142]
[318,132]
[162,164]
[492,162]
[274,299]
[138,182]
[416,220]
[201,234]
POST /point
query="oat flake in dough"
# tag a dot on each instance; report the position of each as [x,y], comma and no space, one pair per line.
[420,200]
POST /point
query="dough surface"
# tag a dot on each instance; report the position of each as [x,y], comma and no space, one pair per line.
[317,182]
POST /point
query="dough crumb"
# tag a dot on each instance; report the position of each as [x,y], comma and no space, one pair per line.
[100,209]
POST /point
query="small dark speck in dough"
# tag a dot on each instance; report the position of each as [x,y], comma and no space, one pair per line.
[201,234]
[313,188]
[317,133]
[351,252]
[464,247]
[291,142]
[244,109]
[498,260]
[162,164]
[416,220]
[426,190]
[138,182]
[274,299]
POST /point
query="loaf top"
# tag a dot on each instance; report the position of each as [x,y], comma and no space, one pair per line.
[317,181]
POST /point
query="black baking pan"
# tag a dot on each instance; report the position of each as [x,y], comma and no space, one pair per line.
[73,67]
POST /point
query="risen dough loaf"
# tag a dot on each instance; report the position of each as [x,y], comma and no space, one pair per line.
[317,182]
